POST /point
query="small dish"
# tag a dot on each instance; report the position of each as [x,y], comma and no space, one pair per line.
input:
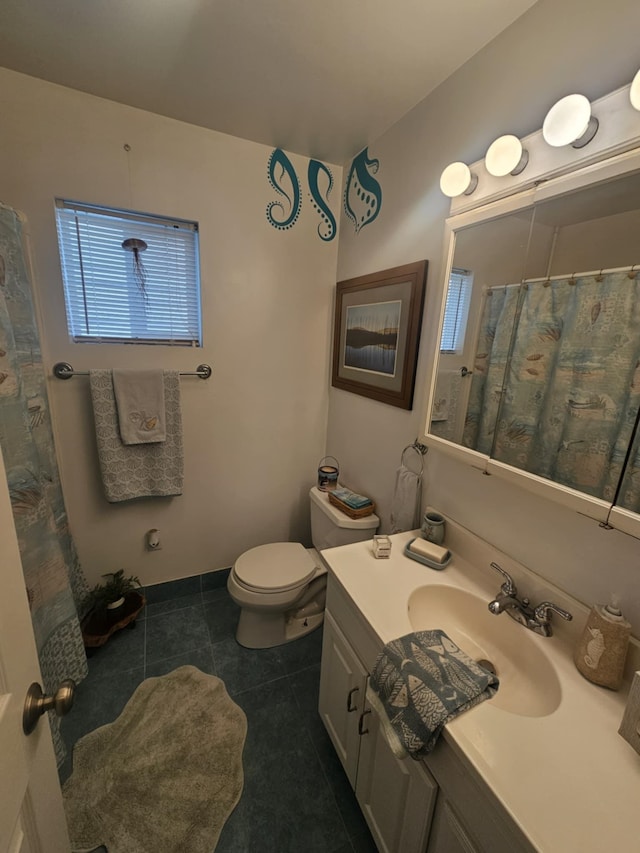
[425,560]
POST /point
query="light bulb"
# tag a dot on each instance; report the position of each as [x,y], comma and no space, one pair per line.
[569,122]
[458,179]
[634,93]
[506,156]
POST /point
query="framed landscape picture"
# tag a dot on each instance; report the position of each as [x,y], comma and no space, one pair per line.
[377,331]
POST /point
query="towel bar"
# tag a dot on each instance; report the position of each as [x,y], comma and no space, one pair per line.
[63,370]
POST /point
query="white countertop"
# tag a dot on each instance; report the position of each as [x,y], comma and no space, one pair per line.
[568,779]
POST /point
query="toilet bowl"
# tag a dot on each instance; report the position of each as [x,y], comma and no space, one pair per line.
[280,587]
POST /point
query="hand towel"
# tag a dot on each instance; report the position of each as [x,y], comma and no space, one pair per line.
[140,404]
[442,396]
[405,504]
[422,681]
[137,470]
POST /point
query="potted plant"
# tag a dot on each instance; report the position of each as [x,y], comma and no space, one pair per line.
[112,606]
[111,594]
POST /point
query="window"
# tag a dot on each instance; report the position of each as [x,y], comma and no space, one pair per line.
[129,277]
[456,311]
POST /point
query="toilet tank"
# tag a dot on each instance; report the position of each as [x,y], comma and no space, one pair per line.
[330,527]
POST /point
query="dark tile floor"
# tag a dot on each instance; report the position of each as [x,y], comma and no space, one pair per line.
[296,795]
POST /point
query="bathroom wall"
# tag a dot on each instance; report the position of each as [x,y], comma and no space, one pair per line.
[255,431]
[607,242]
[556,48]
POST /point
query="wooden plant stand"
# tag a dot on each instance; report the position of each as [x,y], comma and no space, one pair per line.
[98,626]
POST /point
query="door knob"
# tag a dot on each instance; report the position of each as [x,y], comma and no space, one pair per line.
[36,703]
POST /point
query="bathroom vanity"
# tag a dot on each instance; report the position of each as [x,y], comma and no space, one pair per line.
[539,767]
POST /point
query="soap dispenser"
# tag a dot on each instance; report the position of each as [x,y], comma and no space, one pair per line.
[602,649]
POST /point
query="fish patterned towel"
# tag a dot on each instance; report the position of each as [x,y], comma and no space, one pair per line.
[422,681]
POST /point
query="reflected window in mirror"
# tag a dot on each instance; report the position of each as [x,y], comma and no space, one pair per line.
[456,311]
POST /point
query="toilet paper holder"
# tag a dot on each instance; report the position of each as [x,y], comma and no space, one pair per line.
[153,539]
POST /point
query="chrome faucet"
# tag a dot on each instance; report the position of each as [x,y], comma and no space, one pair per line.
[537,619]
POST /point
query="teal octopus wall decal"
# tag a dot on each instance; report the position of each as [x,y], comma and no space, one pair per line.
[362,194]
[327,228]
[284,180]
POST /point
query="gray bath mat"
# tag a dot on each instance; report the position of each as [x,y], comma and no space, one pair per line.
[165,775]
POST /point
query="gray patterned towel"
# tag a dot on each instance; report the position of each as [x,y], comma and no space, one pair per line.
[423,680]
[137,470]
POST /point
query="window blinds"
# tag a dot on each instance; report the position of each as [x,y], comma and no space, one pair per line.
[105,301]
[456,310]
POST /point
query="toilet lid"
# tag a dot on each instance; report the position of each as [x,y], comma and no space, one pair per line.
[276,567]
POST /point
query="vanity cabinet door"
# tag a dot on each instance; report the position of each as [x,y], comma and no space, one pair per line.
[343,681]
[447,833]
[468,818]
[397,796]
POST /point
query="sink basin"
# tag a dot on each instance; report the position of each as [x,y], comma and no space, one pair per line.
[529,685]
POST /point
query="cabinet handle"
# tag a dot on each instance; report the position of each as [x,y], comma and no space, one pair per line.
[361,730]
[351,707]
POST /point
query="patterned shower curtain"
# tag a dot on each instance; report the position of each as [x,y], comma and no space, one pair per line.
[56,586]
[492,352]
[571,390]
[629,495]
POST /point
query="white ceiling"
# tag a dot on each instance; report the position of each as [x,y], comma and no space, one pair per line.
[319,79]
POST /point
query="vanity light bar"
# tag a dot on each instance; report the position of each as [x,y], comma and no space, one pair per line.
[569,122]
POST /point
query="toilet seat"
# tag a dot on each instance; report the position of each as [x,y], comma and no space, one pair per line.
[276,567]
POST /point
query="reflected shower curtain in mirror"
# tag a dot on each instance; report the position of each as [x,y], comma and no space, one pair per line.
[492,351]
[56,586]
[629,495]
[572,385]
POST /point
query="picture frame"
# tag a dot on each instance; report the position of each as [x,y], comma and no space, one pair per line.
[377,323]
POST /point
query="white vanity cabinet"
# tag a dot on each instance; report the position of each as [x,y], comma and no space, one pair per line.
[468,818]
[397,797]
[436,806]
[343,682]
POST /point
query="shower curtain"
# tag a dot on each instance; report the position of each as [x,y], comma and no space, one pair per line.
[571,389]
[492,352]
[629,495]
[56,586]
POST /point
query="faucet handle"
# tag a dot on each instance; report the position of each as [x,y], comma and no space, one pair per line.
[508,587]
[543,612]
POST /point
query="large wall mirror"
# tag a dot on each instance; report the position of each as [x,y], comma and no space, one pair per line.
[538,363]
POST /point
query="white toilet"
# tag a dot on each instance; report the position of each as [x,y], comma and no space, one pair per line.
[281,587]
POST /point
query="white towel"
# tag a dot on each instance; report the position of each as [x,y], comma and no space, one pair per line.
[405,504]
[137,470]
[140,402]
